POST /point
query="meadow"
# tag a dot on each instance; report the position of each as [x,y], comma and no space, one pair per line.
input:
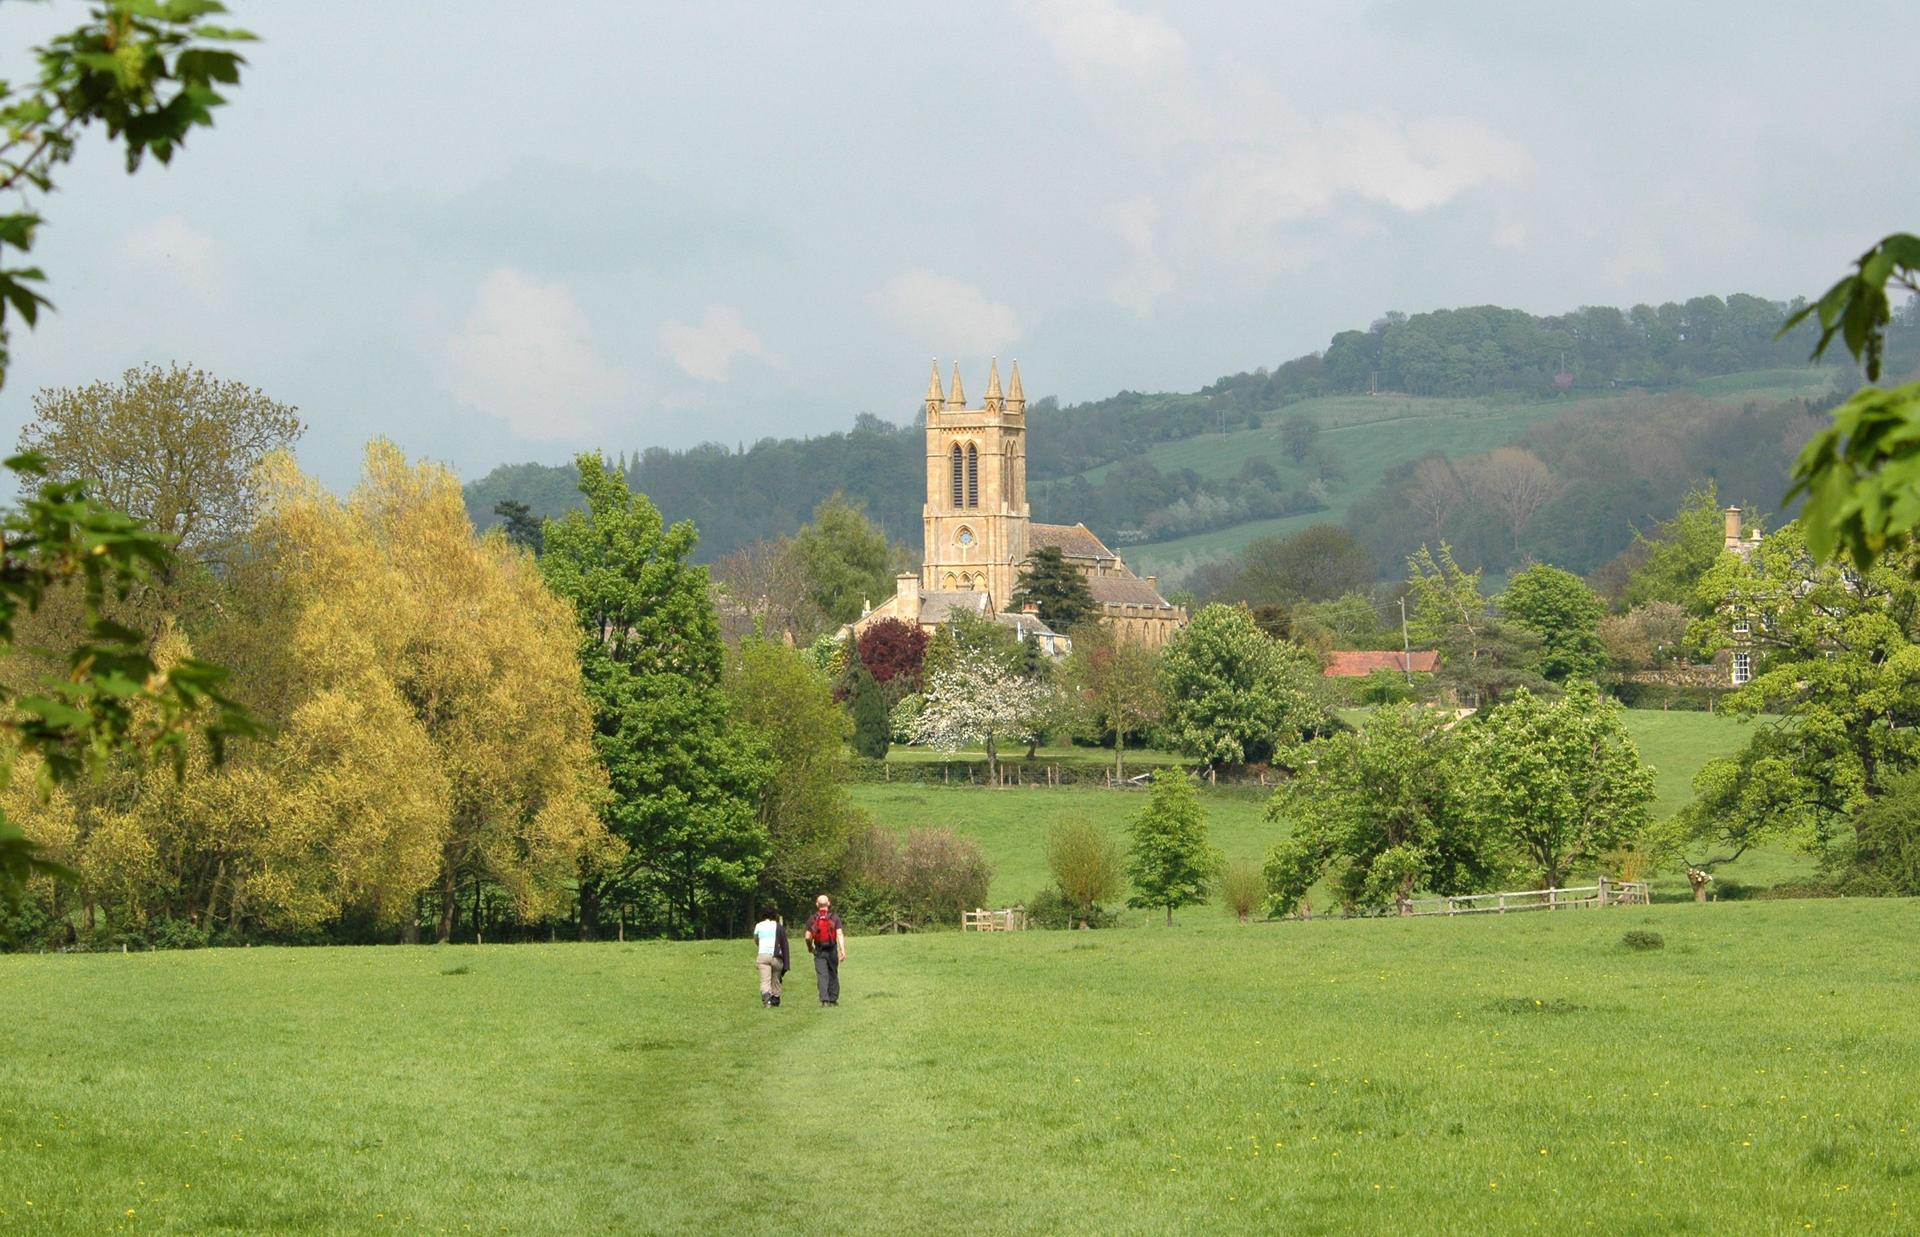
[1429,1076]
[1372,434]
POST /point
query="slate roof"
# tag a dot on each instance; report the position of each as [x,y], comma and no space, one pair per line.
[1126,590]
[1358,664]
[939,606]
[1074,540]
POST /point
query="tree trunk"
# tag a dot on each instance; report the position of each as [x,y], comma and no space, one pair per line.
[1119,756]
[1169,914]
[449,908]
[410,935]
[993,764]
[589,909]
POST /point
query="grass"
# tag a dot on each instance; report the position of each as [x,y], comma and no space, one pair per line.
[1147,758]
[1372,434]
[1010,825]
[1332,1077]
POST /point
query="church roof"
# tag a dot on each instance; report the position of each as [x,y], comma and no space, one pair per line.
[1074,540]
[938,606]
[1125,590]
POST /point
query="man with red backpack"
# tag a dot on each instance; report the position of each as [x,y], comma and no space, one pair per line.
[827,940]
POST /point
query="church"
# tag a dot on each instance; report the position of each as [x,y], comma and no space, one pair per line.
[978,532]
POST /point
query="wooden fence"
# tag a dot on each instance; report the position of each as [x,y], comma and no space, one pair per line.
[1012,919]
[1579,897]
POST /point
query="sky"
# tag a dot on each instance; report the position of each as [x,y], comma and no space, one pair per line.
[499,232]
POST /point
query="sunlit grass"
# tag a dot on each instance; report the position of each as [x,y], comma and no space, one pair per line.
[1753,1075]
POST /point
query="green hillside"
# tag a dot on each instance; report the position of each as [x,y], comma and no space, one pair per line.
[1368,436]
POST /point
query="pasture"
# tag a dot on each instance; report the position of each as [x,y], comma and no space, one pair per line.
[1753,1075]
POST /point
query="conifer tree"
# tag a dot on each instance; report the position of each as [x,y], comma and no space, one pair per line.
[871,732]
[1057,588]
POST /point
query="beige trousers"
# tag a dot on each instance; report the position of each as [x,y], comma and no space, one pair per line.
[769,974]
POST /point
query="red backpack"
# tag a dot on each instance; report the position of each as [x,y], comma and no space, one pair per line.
[822,928]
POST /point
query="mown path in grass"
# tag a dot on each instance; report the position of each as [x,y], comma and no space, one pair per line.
[1755,1075]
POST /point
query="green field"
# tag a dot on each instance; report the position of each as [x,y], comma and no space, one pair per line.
[1011,824]
[1372,434]
[1494,1074]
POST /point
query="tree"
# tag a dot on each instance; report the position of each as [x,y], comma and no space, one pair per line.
[868,704]
[1887,860]
[1231,694]
[1297,437]
[1482,659]
[1057,588]
[521,526]
[175,449]
[1861,473]
[1381,809]
[762,587]
[1758,796]
[1562,780]
[1117,683]
[979,698]
[845,560]
[1831,649]
[459,642]
[149,77]
[1317,563]
[803,804]
[685,780]
[1085,861]
[893,652]
[1435,490]
[1171,863]
[1562,611]
[1645,636]
[1680,551]
[148,72]
[1514,483]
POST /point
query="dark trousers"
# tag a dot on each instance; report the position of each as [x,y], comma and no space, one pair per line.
[826,968]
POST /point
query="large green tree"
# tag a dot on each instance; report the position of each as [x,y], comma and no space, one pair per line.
[685,780]
[1170,862]
[1056,588]
[1668,565]
[1117,683]
[1560,780]
[844,559]
[1383,811]
[1559,608]
[1232,694]
[803,804]
[1833,651]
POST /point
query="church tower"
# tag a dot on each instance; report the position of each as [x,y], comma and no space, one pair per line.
[976,519]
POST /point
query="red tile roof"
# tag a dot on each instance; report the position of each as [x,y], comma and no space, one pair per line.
[1357,664]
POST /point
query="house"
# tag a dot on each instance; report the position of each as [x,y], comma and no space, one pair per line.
[1359,663]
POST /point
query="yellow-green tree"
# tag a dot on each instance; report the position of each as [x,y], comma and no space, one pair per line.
[461,651]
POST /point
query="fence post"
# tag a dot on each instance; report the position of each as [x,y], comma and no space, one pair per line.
[1503,904]
[1603,892]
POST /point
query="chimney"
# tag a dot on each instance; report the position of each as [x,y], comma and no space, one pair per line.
[1030,608]
[906,587]
[1153,582]
[1733,528]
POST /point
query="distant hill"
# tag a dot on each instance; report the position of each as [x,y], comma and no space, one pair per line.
[1181,477]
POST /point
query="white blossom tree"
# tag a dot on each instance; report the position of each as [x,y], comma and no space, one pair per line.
[979,699]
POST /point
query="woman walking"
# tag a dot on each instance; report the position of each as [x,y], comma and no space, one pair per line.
[772,960]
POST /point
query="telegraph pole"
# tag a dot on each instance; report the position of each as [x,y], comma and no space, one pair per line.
[1406,649]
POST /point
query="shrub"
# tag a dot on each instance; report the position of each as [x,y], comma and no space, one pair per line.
[1050,908]
[1641,940]
[924,877]
[178,934]
[1243,887]
[1085,861]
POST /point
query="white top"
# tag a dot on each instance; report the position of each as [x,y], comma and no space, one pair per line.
[764,933]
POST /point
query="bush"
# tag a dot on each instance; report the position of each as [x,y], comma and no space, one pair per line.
[1085,861]
[178,934]
[1243,888]
[1051,908]
[1642,940]
[927,876]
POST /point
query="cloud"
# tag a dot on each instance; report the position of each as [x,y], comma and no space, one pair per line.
[947,314]
[706,350]
[525,354]
[172,250]
[1094,37]
[1237,182]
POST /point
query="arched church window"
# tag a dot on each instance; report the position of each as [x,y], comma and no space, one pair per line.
[959,476]
[967,582]
[953,585]
[973,475]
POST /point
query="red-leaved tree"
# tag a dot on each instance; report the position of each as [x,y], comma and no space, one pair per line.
[891,649]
